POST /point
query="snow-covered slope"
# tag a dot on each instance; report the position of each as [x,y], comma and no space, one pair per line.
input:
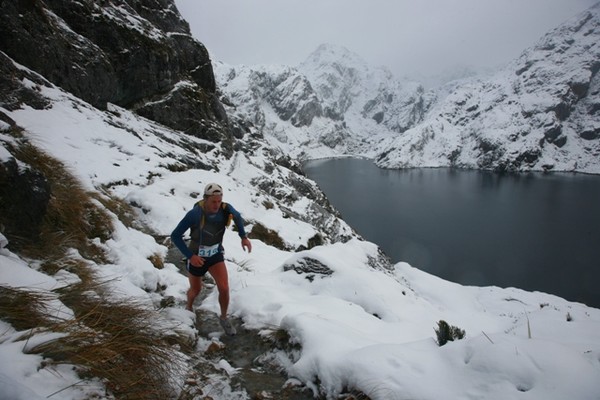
[356,323]
[331,104]
[542,112]
[361,324]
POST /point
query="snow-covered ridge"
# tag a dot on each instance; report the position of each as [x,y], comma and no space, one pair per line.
[541,112]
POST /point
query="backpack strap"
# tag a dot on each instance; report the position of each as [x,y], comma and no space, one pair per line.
[228,214]
[226,211]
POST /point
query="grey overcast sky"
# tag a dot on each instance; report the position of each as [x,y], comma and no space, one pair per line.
[410,37]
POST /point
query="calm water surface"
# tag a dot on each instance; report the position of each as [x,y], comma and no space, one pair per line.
[538,232]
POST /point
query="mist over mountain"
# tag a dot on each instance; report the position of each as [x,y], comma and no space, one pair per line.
[540,112]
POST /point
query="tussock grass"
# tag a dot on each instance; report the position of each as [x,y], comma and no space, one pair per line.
[268,236]
[354,395]
[24,309]
[123,210]
[77,266]
[72,218]
[128,345]
[122,343]
[157,261]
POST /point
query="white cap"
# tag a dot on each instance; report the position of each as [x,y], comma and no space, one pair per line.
[213,189]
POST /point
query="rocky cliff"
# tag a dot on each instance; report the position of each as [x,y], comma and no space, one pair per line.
[135,54]
[350,88]
[129,56]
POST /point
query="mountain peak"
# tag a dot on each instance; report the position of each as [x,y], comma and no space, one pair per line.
[328,53]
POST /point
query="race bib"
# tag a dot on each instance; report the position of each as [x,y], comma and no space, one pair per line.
[208,251]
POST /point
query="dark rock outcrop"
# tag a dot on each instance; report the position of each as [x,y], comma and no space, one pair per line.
[24,196]
[309,267]
[135,54]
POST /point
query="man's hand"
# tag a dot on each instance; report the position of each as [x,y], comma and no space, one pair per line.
[196,260]
[246,245]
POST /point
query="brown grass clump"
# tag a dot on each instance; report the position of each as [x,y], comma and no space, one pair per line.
[121,343]
[72,218]
[157,260]
[267,236]
[24,309]
[77,266]
[123,210]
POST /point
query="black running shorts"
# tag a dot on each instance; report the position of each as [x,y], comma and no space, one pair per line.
[208,262]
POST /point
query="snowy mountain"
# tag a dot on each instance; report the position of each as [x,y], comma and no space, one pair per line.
[124,129]
[542,112]
[352,89]
[332,104]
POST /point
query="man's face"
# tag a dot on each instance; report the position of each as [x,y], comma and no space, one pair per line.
[212,203]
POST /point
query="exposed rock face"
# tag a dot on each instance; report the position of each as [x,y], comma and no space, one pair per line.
[24,191]
[333,103]
[24,196]
[136,54]
[286,91]
[541,112]
[309,267]
[13,93]
[348,86]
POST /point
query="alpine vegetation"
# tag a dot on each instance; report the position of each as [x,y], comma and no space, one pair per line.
[446,333]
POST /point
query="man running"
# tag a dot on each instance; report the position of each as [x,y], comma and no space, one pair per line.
[208,220]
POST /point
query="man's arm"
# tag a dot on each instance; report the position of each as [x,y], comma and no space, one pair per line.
[239,223]
[179,231]
[238,220]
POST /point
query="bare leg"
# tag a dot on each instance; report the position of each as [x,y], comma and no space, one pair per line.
[219,274]
[193,291]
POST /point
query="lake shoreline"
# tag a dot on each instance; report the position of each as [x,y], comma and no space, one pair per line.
[447,223]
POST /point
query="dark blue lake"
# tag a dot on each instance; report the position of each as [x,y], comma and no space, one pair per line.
[534,231]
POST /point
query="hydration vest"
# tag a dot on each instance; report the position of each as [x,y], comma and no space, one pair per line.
[207,232]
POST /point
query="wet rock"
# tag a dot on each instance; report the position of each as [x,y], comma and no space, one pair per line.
[310,267]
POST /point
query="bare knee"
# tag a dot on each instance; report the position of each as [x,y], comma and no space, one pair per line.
[223,287]
[195,286]
[219,274]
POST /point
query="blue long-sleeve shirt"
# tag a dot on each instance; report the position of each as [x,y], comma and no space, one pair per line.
[193,218]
